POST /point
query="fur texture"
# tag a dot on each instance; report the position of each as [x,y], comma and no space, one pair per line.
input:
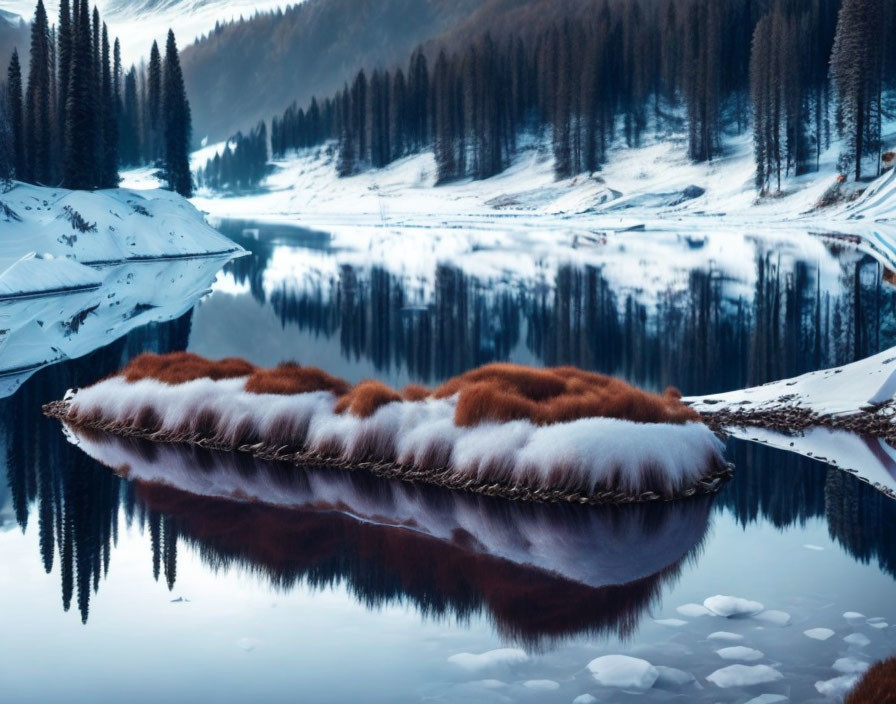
[303,414]
[877,686]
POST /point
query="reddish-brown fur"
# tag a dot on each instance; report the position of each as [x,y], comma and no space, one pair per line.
[504,392]
[290,378]
[181,367]
[494,392]
[365,398]
[877,686]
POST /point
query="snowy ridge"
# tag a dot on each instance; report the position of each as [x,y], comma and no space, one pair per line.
[588,455]
[595,547]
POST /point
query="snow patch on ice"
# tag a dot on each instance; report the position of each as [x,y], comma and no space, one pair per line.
[623,671]
[490,658]
[670,677]
[541,685]
[859,640]
[725,636]
[740,652]
[774,618]
[744,676]
[850,666]
[693,610]
[836,687]
[819,633]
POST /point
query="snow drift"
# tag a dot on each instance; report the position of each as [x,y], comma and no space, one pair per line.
[557,434]
[587,569]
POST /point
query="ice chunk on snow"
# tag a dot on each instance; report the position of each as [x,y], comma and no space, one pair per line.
[836,687]
[732,606]
[693,610]
[725,635]
[767,699]
[672,677]
[623,671]
[858,639]
[774,618]
[740,652]
[674,622]
[744,675]
[479,661]
[544,685]
[819,633]
[585,699]
[850,666]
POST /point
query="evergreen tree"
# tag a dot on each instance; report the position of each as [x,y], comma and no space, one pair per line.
[856,64]
[63,62]
[6,149]
[153,118]
[80,142]
[108,97]
[176,123]
[38,115]
[15,107]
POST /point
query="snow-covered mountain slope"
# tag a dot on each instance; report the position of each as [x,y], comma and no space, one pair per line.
[137,23]
[78,270]
[655,185]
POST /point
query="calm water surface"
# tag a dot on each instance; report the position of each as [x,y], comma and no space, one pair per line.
[114,590]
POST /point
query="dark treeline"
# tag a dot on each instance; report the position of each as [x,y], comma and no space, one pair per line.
[77,117]
[242,164]
[801,72]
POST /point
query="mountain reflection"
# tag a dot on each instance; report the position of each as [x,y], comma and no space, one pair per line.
[703,335]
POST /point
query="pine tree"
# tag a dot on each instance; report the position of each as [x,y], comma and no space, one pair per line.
[6,149]
[16,115]
[63,70]
[109,154]
[80,144]
[176,123]
[153,120]
[38,116]
[856,64]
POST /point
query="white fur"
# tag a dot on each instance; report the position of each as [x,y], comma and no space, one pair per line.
[582,455]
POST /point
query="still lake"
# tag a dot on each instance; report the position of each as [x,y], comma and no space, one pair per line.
[112,591]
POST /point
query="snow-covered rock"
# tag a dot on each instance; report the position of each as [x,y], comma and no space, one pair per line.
[623,671]
[744,676]
[732,606]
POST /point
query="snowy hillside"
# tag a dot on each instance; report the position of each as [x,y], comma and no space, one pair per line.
[137,23]
[79,269]
[655,185]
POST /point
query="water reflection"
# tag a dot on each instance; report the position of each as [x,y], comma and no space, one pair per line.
[704,330]
[708,330]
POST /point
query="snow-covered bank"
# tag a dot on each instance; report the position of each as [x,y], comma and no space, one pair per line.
[844,416]
[79,269]
[654,185]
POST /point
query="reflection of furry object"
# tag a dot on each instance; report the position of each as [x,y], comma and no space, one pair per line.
[877,686]
[539,571]
[559,434]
